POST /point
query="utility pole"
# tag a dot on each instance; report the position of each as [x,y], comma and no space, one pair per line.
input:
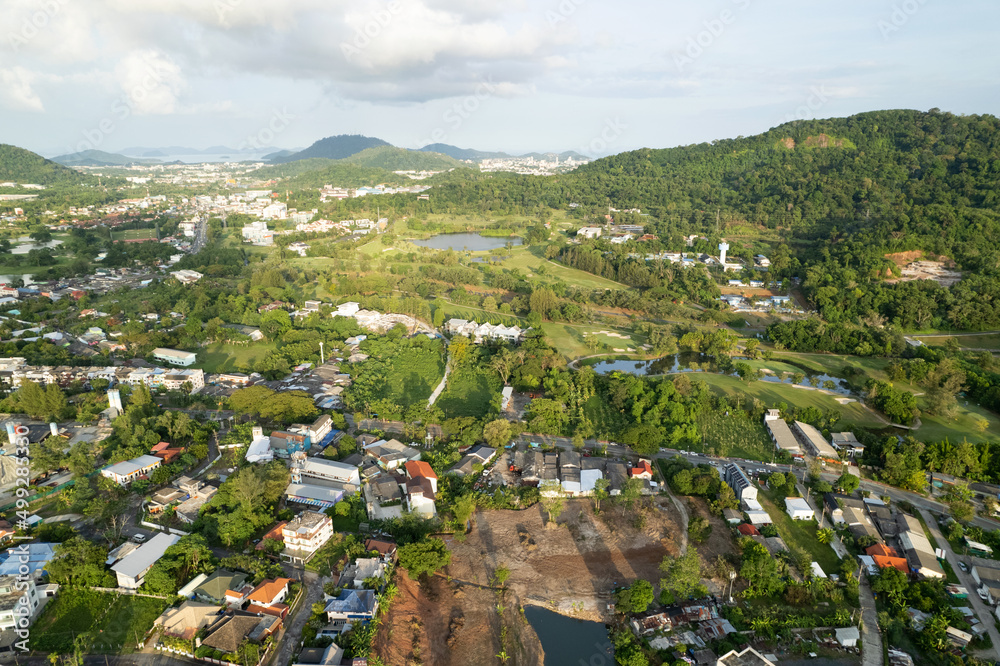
[321,359]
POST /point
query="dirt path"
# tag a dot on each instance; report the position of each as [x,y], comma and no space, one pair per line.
[313,585]
[440,387]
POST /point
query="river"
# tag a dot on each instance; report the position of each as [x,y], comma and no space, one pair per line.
[570,642]
[467,242]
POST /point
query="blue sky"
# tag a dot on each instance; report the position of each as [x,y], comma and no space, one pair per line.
[589,75]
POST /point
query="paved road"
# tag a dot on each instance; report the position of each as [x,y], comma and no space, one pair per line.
[871,639]
[293,636]
[967,580]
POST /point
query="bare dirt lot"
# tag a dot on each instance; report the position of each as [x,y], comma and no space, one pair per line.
[571,568]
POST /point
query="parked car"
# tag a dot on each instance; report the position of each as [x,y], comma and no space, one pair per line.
[961,565]
[983,594]
[139,538]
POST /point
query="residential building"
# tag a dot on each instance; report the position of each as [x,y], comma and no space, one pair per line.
[351,606]
[391,454]
[187,619]
[186,276]
[815,443]
[917,548]
[19,602]
[305,535]
[738,480]
[782,435]
[175,356]
[798,509]
[127,471]
[229,632]
[362,569]
[223,587]
[258,233]
[589,232]
[27,559]
[847,443]
[328,470]
[270,592]
[746,657]
[132,568]
[421,486]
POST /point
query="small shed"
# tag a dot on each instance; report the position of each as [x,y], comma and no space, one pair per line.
[848,636]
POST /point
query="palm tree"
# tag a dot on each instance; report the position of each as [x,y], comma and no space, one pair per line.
[824,535]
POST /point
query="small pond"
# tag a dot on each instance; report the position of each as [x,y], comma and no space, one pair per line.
[469,242]
[570,642]
[697,362]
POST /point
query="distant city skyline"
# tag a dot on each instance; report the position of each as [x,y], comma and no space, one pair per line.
[494,75]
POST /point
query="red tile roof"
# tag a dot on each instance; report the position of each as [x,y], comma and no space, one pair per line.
[747,529]
[418,468]
[886,562]
[642,469]
[882,550]
[268,590]
[273,533]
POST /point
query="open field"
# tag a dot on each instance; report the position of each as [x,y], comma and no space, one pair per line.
[134,234]
[731,436]
[111,623]
[799,534]
[469,393]
[220,357]
[983,341]
[963,426]
[530,260]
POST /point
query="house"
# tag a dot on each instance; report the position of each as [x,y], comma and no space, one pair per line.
[27,559]
[187,619]
[976,548]
[957,637]
[20,602]
[284,444]
[643,470]
[223,587]
[589,232]
[351,606]
[391,454]
[228,633]
[126,472]
[746,657]
[332,655]
[759,517]
[270,592]
[305,535]
[362,569]
[273,534]
[259,450]
[421,486]
[847,443]
[732,516]
[175,356]
[132,568]
[167,453]
[738,480]
[747,529]
[385,549]
[328,470]
[798,509]
[917,549]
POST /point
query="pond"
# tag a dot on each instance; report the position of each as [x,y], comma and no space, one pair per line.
[27,278]
[570,642]
[698,362]
[467,242]
[27,246]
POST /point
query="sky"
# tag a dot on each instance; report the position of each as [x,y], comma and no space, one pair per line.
[594,76]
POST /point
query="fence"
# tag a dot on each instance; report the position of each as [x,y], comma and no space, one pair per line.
[162,528]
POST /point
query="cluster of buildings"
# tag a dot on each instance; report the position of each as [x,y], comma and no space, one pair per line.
[395,479]
[13,371]
[530,165]
[378,322]
[480,333]
[572,474]
[330,192]
[801,439]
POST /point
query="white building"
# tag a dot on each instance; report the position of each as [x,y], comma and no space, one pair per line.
[305,535]
[186,276]
[260,448]
[175,356]
[275,211]
[19,602]
[127,471]
[589,232]
[258,233]
[132,568]
[798,509]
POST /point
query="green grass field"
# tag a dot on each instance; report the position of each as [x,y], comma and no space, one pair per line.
[985,341]
[734,436]
[799,534]
[530,260]
[220,357]
[134,234]
[111,623]
[469,393]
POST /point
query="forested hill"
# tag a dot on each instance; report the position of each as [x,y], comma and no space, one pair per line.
[23,166]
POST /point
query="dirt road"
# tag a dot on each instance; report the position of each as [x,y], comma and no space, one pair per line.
[871,639]
[313,585]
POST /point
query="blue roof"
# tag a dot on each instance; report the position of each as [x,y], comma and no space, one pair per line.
[353,602]
[35,556]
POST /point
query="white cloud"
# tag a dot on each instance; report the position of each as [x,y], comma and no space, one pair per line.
[16,90]
[150,82]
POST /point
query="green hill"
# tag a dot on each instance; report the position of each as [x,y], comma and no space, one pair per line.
[317,172]
[333,148]
[400,159]
[23,166]
[101,158]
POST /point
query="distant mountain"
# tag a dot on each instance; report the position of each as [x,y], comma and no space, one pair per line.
[23,166]
[270,157]
[562,156]
[100,158]
[461,153]
[334,148]
[391,158]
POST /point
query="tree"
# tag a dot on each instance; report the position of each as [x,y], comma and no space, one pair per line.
[635,598]
[682,575]
[848,483]
[824,535]
[893,583]
[543,300]
[80,562]
[552,499]
[600,493]
[497,433]
[424,557]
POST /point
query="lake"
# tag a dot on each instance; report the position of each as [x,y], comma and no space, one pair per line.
[470,242]
[698,362]
[570,642]
[28,278]
[27,245]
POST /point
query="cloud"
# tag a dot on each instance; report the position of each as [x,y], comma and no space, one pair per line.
[16,90]
[150,82]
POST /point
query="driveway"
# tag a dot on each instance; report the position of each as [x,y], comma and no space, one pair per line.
[966,579]
[871,639]
[314,592]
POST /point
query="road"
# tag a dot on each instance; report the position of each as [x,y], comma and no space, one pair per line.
[313,585]
[981,609]
[871,639]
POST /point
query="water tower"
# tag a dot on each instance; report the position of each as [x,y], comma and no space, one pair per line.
[723,248]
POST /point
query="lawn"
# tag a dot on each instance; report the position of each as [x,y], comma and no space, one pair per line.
[134,234]
[111,623]
[772,394]
[799,534]
[406,376]
[570,341]
[220,357]
[984,341]
[963,426]
[469,392]
[530,260]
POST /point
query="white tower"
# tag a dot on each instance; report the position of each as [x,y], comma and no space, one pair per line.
[723,247]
